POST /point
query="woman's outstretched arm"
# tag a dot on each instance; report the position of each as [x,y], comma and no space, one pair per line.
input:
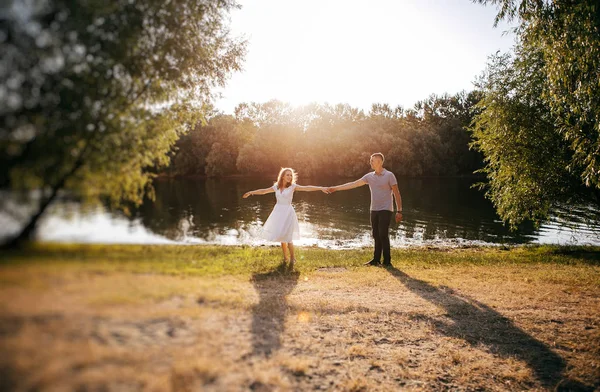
[311,188]
[258,192]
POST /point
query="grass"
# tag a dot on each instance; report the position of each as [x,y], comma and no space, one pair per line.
[227,318]
[244,260]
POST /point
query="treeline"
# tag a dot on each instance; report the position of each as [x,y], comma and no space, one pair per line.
[430,139]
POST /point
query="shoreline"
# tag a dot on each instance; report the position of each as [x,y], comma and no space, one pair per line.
[38,248]
[416,247]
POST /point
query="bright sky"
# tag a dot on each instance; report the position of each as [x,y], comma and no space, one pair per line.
[360,52]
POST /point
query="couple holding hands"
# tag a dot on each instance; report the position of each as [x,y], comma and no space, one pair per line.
[282,224]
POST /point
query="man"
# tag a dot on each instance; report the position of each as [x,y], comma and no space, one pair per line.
[382,184]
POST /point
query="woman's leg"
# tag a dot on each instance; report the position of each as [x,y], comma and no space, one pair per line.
[291,246]
[284,248]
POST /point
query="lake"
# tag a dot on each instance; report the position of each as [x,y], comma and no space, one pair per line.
[444,212]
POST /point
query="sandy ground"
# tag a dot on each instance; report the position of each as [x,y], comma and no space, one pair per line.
[475,328]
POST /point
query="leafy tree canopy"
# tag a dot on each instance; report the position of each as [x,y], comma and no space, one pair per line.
[539,126]
[95,93]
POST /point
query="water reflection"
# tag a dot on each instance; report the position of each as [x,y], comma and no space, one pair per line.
[437,212]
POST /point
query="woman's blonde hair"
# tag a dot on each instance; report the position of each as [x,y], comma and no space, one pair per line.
[279,182]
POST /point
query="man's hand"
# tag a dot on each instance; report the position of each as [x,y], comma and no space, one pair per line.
[247,194]
[331,189]
[398,217]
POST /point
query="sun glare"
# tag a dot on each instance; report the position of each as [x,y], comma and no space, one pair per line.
[393,52]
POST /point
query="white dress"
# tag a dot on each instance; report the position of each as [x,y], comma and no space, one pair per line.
[282,224]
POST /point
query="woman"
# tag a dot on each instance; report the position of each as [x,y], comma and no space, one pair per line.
[282,224]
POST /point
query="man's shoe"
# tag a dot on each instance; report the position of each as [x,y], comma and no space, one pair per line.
[372,262]
[387,264]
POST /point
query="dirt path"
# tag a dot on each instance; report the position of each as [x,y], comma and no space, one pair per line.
[447,328]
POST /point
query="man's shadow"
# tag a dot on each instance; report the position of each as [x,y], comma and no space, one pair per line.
[478,324]
[268,316]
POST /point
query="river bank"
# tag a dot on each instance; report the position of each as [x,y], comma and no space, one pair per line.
[137,317]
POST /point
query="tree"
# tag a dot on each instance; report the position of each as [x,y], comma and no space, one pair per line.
[273,147]
[189,154]
[98,92]
[567,35]
[539,125]
[526,157]
[449,118]
[334,140]
[224,150]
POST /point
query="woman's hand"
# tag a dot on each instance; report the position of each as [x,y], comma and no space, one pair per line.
[247,194]
[324,189]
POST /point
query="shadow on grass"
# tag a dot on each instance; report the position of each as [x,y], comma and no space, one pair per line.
[268,316]
[478,324]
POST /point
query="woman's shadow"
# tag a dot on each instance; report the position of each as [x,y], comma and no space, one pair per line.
[478,324]
[268,316]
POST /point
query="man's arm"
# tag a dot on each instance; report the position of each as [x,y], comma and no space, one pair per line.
[348,185]
[398,199]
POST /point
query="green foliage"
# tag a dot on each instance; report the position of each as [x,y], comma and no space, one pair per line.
[526,158]
[569,37]
[324,140]
[540,126]
[95,94]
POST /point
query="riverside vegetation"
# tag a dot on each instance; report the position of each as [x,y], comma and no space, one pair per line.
[97,317]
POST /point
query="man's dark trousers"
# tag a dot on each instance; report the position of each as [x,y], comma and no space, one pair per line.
[380,223]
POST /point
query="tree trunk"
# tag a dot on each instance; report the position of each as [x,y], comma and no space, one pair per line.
[12,162]
[27,232]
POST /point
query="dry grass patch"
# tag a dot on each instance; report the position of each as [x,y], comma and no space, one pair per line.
[359,351]
[193,374]
[355,384]
[438,321]
[298,366]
